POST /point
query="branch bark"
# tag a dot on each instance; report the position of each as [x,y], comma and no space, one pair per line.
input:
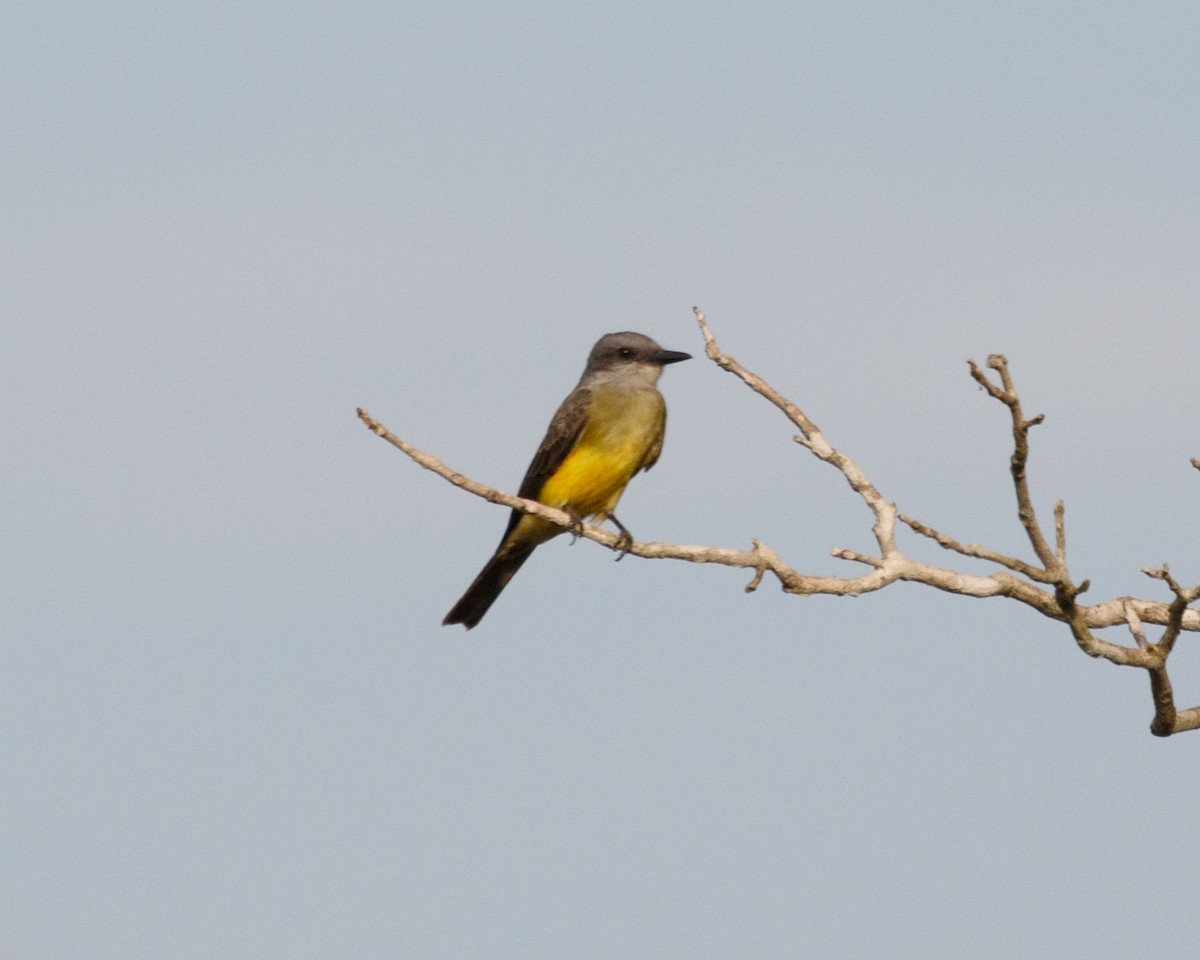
[1045,585]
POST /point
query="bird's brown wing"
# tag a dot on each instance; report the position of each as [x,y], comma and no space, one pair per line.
[651,457]
[560,438]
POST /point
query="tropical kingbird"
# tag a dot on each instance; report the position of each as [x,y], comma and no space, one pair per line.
[609,427]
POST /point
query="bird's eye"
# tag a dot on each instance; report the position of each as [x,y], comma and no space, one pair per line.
[625,352]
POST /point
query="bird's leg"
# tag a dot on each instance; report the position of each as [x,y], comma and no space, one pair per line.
[625,540]
[576,527]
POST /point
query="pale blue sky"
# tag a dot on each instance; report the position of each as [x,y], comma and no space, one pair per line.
[233,726]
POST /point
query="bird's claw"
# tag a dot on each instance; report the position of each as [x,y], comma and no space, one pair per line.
[576,527]
[624,543]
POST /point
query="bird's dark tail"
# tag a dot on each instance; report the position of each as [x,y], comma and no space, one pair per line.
[493,578]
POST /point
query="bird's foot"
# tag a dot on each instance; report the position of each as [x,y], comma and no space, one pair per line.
[576,527]
[624,541]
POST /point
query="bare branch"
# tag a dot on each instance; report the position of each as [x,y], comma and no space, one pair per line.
[1046,588]
[1060,534]
[763,558]
[1020,456]
[1185,720]
[841,553]
[1165,715]
[812,439]
[760,558]
[1054,561]
[1110,613]
[1183,598]
[978,552]
[1135,627]
[1167,720]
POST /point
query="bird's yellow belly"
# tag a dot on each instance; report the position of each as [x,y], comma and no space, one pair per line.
[612,447]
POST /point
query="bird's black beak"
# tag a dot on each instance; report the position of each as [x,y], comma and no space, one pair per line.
[670,356]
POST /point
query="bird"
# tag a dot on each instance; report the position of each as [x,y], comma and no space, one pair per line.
[606,430]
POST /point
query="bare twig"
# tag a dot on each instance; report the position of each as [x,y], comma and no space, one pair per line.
[1135,627]
[1183,598]
[1167,720]
[1007,395]
[811,438]
[978,552]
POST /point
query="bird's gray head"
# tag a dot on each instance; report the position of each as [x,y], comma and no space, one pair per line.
[629,356]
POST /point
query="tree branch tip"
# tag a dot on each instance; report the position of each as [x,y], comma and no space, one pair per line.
[1187,596]
[1164,573]
[841,553]
[370,422]
[769,556]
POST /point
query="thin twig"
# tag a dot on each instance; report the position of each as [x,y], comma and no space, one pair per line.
[812,439]
[1007,395]
[980,553]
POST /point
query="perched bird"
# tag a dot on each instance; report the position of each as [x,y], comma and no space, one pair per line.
[606,430]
